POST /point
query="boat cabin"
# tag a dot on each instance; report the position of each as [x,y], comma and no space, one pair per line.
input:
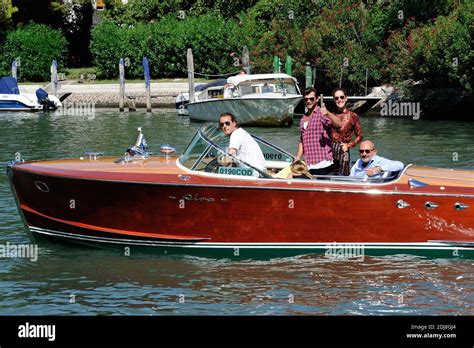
[247,85]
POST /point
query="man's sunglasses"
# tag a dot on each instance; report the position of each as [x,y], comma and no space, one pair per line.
[342,97]
[310,99]
[366,151]
[226,123]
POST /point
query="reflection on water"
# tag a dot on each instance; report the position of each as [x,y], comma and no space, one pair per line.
[75,280]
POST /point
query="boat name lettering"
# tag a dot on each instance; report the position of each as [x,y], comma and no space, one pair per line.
[273,156]
[196,198]
[235,171]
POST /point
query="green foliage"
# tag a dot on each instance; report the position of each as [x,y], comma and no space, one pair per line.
[165,43]
[439,54]
[36,45]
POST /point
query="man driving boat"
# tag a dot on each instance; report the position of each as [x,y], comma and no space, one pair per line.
[241,143]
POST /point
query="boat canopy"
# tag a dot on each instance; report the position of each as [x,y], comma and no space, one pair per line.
[236,80]
[264,83]
[208,152]
[9,85]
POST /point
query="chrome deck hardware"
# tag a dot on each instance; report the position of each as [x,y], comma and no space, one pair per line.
[402,204]
[139,151]
[431,205]
[460,206]
[167,150]
[416,183]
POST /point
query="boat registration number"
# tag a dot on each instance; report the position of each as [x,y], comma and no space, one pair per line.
[235,171]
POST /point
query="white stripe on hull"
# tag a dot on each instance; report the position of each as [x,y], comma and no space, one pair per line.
[231,245]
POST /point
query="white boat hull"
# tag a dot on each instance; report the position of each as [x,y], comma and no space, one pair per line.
[24,102]
[271,110]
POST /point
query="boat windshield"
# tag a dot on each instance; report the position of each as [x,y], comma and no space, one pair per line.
[208,152]
[285,86]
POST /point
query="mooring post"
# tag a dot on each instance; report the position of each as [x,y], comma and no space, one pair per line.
[54,77]
[146,69]
[308,76]
[314,76]
[289,66]
[276,64]
[246,60]
[15,69]
[190,61]
[121,84]
[366,79]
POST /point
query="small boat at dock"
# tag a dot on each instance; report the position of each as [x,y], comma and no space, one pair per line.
[195,204]
[258,100]
[12,100]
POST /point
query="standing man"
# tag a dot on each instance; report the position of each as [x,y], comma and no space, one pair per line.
[241,143]
[315,140]
[371,165]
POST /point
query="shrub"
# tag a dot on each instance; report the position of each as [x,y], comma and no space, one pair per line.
[165,43]
[36,45]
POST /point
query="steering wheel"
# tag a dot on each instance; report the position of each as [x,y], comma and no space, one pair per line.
[212,167]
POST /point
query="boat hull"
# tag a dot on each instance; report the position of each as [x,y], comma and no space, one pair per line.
[19,103]
[269,111]
[204,216]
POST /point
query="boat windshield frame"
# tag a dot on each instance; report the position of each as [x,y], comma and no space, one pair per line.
[276,85]
[207,139]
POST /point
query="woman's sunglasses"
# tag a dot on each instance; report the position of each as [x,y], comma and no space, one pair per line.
[342,97]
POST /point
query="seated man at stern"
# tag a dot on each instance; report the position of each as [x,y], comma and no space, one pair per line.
[241,143]
[369,165]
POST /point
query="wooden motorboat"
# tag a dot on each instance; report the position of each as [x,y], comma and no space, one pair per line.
[195,205]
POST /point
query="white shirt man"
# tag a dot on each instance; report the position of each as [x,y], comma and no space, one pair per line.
[371,165]
[241,143]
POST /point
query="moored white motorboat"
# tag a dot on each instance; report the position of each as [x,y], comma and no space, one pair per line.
[255,100]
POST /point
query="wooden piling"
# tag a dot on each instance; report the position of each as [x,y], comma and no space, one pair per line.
[246,60]
[146,69]
[308,76]
[14,69]
[190,62]
[122,85]
[366,79]
[54,77]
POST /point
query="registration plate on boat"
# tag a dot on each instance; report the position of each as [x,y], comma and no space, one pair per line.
[235,171]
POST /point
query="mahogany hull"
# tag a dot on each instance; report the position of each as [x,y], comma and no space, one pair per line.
[165,211]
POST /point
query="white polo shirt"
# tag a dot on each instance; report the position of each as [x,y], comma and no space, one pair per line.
[248,149]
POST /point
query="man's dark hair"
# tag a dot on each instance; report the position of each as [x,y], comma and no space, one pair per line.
[309,90]
[232,117]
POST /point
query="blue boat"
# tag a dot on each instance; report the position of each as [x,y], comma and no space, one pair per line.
[12,100]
